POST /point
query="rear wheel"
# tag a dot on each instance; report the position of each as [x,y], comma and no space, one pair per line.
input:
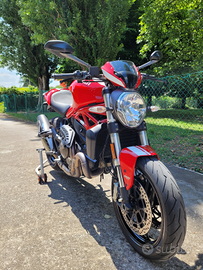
[53,163]
[156,224]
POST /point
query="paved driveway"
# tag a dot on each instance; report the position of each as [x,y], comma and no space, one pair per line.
[69,223]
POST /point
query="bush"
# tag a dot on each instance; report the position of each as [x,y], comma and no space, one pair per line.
[2,108]
[19,99]
[166,102]
[18,90]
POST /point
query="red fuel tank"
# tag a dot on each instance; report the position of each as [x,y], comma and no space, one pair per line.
[86,93]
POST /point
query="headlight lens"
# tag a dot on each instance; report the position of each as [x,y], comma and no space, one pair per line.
[130,109]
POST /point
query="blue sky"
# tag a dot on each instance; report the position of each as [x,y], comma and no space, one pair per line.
[10,78]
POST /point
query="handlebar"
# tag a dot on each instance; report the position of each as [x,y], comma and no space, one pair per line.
[62,76]
[82,75]
[70,76]
[151,77]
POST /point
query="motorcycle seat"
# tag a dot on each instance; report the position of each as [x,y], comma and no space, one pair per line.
[61,101]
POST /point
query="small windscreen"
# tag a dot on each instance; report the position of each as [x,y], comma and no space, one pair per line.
[126,70]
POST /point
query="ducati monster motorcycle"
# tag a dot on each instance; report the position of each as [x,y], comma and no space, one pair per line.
[101,130]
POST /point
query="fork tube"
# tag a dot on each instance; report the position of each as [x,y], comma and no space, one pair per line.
[143,137]
[113,135]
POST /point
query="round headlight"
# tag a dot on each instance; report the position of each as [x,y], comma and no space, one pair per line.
[130,109]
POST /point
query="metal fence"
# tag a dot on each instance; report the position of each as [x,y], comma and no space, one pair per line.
[175,131]
[27,102]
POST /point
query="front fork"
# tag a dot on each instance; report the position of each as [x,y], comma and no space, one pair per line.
[116,145]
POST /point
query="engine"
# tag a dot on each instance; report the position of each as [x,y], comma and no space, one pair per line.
[73,162]
[66,134]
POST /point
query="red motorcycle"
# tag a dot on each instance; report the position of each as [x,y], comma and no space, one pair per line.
[102,131]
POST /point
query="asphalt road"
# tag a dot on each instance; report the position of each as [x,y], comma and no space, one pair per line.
[69,223]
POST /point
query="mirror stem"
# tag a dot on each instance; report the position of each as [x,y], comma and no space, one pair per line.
[76,59]
[147,64]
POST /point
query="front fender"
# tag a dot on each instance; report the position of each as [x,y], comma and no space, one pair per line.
[128,158]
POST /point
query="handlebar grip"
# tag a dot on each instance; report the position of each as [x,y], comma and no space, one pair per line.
[152,78]
[64,76]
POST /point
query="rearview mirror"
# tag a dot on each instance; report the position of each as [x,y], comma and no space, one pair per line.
[156,56]
[64,50]
[58,47]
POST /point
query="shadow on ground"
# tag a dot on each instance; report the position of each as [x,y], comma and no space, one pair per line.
[90,204]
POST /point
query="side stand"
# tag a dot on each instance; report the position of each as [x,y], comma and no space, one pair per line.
[42,177]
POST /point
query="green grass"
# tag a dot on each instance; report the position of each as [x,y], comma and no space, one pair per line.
[185,115]
[32,117]
[176,141]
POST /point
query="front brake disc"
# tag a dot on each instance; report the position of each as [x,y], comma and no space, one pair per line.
[139,219]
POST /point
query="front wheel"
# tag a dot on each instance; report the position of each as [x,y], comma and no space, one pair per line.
[156,224]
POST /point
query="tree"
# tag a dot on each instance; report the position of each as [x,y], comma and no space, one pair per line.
[17,51]
[25,82]
[131,50]
[92,27]
[197,81]
[175,27]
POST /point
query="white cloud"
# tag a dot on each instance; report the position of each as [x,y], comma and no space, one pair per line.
[9,78]
[53,83]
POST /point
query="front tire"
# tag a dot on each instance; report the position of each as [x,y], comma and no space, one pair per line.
[156,224]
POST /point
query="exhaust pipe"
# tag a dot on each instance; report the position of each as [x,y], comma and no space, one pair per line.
[43,126]
[85,168]
[44,131]
[79,165]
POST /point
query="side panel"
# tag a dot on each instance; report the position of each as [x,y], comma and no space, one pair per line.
[48,95]
[128,158]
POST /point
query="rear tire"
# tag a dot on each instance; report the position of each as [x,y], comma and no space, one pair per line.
[53,163]
[156,226]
